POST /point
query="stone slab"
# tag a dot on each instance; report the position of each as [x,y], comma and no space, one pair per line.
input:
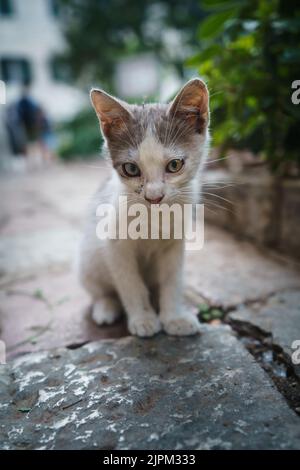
[228,271]
[49,311]
[164,393]
[26,255]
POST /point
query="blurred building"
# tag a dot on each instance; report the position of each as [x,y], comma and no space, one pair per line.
[31,40]
[137,76]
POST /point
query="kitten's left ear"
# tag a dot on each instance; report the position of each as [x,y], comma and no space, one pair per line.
[192,104]
[113,114]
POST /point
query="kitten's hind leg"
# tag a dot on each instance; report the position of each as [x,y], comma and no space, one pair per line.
[106,310]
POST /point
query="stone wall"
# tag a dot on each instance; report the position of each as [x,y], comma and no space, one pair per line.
[254,205]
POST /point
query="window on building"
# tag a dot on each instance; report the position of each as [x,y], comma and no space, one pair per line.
[6,7]
[60,71]
[15,70]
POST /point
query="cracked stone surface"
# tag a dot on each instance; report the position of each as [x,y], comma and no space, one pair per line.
[164,393]
[206,392]
[228,271]
[39,250]
[51,311]
[41,217]
[42,305]
[279,317]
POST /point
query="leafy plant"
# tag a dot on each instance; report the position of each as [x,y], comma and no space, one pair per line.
[208,313]
[100,32]
[250,54]
[79,137]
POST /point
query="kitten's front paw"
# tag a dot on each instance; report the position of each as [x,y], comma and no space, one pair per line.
[181,325]
[106,311]
[145,325]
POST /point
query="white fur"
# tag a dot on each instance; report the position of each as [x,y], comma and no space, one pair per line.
[120,273]
[143,277]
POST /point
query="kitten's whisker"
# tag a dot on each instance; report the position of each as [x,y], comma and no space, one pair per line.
[92,166]
[207,203]
[215,93]
[187,191]
[210,210]
[226,181]
[216,186]
[219,197]
[208,162]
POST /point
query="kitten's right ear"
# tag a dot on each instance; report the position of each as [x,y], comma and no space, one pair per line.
[191,104]
[112,113]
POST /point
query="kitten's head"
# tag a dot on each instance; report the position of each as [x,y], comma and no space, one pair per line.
[157,149]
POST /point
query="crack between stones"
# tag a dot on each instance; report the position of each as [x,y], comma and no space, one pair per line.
[77,345]
[271,358]
[192,294]
[267,354]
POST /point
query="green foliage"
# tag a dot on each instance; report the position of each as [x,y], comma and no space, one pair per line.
[249,54]
[100,32]
[208,313]
[79,137]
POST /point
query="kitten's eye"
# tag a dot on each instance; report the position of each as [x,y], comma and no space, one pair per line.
[175,165]
[131,169]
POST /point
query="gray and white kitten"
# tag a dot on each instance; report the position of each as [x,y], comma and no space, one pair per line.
[157,153]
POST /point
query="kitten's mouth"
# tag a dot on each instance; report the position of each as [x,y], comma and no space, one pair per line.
[154,201]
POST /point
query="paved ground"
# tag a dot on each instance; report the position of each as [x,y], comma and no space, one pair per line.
[224,397]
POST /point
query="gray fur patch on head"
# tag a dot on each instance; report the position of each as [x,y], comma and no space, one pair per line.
[169,130]
[148,138]
[181,124]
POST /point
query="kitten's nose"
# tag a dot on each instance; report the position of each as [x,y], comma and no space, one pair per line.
[155,201]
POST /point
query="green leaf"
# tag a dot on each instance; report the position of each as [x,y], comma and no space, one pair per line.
[194,61]
[38,294]
[216,313]
[214,24]
[203,308]
[209,52]
[221,4]
[206,317]
[63,300]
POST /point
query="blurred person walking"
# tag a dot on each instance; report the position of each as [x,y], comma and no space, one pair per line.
[30,132]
